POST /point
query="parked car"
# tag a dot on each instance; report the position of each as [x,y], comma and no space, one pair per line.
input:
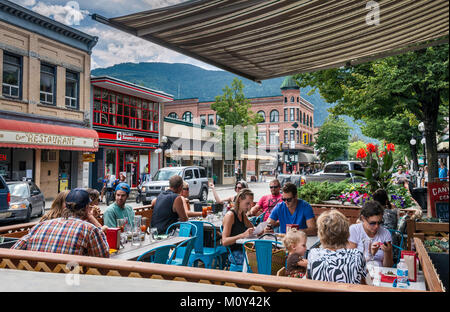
[5,198]
[335,171]
[194,175]
[26,200]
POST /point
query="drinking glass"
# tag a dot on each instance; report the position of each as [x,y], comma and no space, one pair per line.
[153,233]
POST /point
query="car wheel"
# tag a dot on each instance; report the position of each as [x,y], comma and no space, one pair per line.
[204,195]
[42,210]
[28,217]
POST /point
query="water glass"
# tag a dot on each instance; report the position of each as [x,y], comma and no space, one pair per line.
[153,233]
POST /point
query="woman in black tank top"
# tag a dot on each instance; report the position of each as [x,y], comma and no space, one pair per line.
[236,225]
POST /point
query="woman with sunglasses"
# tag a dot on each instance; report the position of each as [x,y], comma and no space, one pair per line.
[369,234]
[187,207]
[240,185]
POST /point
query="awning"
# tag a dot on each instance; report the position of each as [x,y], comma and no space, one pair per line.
[307,158]
[443,146]
[25,134]
[262,39]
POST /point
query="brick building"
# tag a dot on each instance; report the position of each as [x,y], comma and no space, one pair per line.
[288,125]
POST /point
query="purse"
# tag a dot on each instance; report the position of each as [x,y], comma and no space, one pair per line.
[278,256]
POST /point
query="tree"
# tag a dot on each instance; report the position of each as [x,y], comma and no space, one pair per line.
[414,83]
[234,110]
[332,139]
[353,148]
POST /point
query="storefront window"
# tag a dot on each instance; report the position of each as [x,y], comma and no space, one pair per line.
[110,162]
[5,162]
[228,168]
[115,109]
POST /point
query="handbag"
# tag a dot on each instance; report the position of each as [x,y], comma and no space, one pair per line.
[278,256]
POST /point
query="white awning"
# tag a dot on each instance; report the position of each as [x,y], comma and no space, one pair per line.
[262,39]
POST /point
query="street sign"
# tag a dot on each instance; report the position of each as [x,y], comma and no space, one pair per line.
[89,157]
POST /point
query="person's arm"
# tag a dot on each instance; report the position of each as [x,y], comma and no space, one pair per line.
[311,227]
[254,210]
[228,240]
[178,207]
[98,244]
[187,208]
[216,196]
[153,203]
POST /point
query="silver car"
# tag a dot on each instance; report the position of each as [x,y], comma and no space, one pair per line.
[27,200]
[194,175]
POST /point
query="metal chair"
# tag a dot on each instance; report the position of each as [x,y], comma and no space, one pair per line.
[182,252]
[157,255]
[257,219]
[206,254]
[399,248]
[187,229]
[231,265]
[263,249]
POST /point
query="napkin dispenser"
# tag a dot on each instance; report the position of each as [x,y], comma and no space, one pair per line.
[113,238]
[411,261]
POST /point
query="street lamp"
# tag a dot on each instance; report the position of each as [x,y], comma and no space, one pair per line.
[423,141]
[163,147]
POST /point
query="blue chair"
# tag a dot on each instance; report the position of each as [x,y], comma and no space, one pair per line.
[263,249]
[231,265]
[257,220]
[398,248]
[206,254]
[187,229]
[157,255]
[182,252]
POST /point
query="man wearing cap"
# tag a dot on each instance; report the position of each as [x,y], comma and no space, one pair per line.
[69,234]
[118,209]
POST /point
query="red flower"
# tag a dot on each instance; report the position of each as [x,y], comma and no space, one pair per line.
[361,153]
[382,154]
[372,148]
[390,147]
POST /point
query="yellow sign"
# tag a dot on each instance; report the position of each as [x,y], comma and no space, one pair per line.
[305,138]
[89,157]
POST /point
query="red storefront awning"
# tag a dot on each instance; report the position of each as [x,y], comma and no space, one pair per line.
[25,134]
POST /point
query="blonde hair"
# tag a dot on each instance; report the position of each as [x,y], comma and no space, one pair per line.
[293,237]
[333,229]
[56,208]
[241,196]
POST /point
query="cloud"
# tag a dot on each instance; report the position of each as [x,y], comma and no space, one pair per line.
[69,13]
[115,47]
[25,2]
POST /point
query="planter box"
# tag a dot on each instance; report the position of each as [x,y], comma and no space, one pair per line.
[440,262]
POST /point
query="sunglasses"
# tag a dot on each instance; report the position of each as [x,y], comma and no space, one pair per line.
[375,222]
[274,186]
[288,200]
[239,187]
[186,188]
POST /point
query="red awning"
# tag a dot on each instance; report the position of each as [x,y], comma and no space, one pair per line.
[24,134]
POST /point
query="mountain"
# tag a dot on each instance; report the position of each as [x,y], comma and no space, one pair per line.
[184,81]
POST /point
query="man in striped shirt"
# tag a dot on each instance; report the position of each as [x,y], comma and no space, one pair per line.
[69,234]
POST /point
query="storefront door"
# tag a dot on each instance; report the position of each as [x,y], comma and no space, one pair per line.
[131,169]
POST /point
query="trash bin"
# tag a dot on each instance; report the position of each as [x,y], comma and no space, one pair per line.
[420,195]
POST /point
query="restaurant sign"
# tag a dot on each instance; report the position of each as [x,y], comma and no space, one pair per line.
[438,195]
[45,139]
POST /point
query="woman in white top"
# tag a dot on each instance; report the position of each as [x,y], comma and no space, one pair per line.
[369,235]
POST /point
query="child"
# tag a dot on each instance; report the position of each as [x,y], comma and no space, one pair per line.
[295,242]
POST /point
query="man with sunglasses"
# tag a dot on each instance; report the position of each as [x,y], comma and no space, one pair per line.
[268,202]
[292,210]
[370,236]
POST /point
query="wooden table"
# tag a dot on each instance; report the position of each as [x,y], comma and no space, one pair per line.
[419,284]
[131,252]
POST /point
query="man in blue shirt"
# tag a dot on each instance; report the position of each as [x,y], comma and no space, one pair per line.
[293,211]
[443,172]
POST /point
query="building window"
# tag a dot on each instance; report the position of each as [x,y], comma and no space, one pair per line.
[298,114]
[285,114]
[72,89]
[228,168]
[262,138]
[123,111]
[292,136]
[304,118]
[310,121]
[263,115]
[173,115]
[285,99]
[292,99]
[307,120]
[210,119]
[48,82]
[217,119]
[274,116]
[273,137]
[298,99]
[286,136]
[12,73]
[187,116]
[203,120]
[292,112]
[298,136]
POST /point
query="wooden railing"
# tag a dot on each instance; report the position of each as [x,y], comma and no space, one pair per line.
[57,263]
[424,229]
[351,212]
[432,279]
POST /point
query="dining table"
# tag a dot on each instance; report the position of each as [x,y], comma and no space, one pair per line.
[418,284]
[132,252]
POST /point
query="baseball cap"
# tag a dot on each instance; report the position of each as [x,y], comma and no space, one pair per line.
[79,197]
[123,187]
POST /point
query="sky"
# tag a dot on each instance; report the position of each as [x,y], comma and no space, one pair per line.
[113,46]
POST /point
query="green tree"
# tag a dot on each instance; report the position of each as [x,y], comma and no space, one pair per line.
[414,83]
[332,139]
[234,109]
